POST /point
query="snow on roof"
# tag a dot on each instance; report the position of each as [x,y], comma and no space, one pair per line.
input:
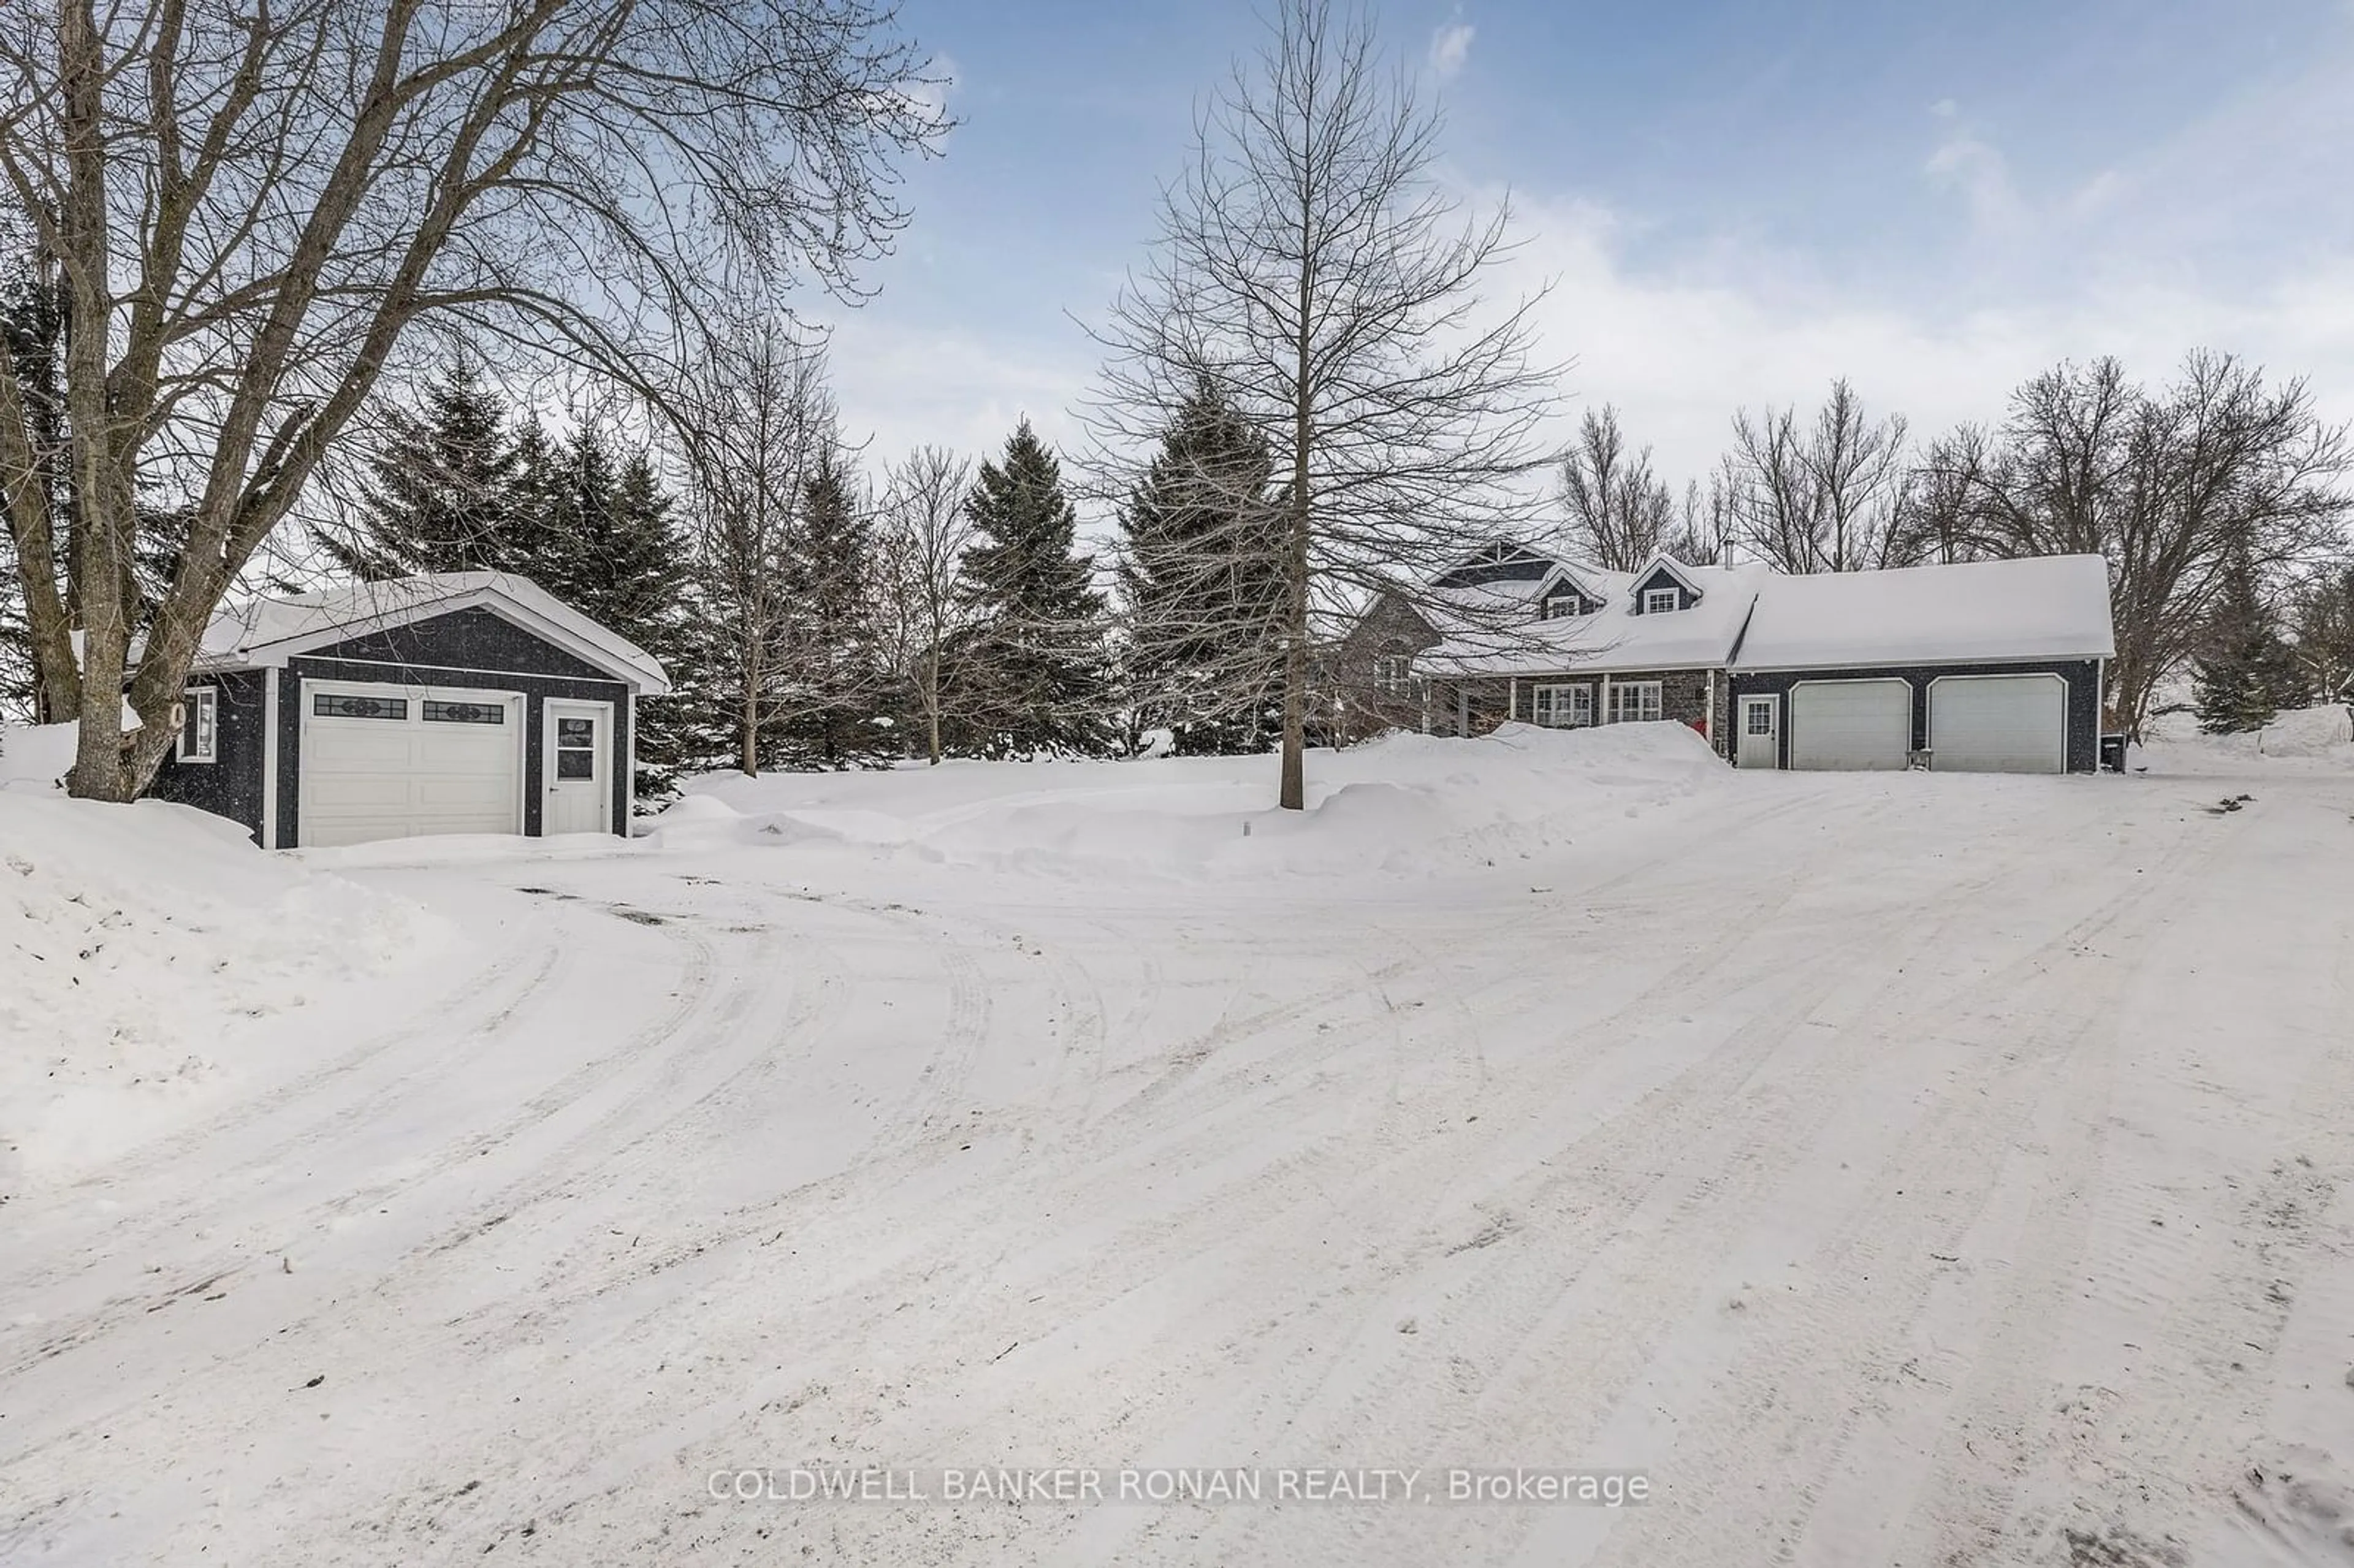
[267,631]
[2052,607]
[1753,618]
[1612,638]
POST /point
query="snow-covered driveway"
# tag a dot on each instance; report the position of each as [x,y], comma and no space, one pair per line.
[1895,1168]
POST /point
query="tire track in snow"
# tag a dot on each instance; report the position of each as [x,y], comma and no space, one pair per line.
[1807,1371]
[223,1263]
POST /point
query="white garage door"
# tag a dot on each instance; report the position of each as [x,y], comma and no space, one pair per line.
[391,762]
[1850,725]
[1998,724]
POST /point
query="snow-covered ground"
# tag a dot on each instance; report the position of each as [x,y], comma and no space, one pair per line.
[1893,1169]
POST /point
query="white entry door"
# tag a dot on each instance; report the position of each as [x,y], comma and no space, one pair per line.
[1848,725]
[577,765]
[1760,734]
[382,761]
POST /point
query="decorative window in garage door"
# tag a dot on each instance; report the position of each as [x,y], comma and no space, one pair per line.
[343,704]
[439,712]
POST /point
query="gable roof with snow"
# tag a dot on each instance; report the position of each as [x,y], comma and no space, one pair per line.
[1612,638]
[2047,606]
[265,633]
[1753,618]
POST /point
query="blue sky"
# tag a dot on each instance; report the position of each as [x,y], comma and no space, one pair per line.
[1732,202]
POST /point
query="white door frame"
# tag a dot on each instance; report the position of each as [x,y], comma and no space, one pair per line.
[1772,703]
[417,692]
[606,751]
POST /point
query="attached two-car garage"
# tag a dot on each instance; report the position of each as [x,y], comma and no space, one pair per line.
[1976,723]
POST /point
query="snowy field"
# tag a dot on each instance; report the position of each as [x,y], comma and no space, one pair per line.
[1891,1169]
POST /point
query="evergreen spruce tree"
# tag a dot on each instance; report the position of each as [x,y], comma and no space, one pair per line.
[1202,588]
[601,537]
[442,492]
[836,686]
[1033,672]
[2246,671]
[32,334]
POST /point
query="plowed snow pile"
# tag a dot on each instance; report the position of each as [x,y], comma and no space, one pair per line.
[1408,805]
[133,935]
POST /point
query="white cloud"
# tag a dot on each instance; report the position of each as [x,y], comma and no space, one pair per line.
[1451,50]
[1978,169]
[901,387]
[1679,350]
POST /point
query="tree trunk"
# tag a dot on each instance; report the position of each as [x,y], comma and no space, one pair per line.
[1293,793]
[932,705]
[748,734]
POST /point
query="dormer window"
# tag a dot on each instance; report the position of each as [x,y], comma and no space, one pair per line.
[1659,601]
[1562,605]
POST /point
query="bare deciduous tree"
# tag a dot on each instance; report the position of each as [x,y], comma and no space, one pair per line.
[2171,487]
[752,417]
[2323,620]
[1620,513]
[254,210]
[1828,496]
[1311,273]
[925,529]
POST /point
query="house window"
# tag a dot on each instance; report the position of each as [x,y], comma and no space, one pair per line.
[1562,708]
[199,724]
[1393,673]
[1635,701]
[343,705]
[1659,601]
[439,712]
[1560,605]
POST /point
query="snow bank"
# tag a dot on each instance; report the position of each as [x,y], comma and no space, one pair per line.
[2303,739]
[2325,732]
[137,939]
[35,757]
[1406,804]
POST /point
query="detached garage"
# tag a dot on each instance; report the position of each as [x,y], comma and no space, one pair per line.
[1975,667]
[457,703]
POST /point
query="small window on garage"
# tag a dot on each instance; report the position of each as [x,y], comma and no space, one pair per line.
[345,704]
[199,724]
[439,712]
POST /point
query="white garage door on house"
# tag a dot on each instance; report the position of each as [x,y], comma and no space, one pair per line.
[1850,725]
[1998,724]
[390,762]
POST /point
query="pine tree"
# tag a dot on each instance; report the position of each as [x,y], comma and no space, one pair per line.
[1034,665]
[32,334]
[442,497]
[599,534]
[2246,671]
[836,687]
[1202,586]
